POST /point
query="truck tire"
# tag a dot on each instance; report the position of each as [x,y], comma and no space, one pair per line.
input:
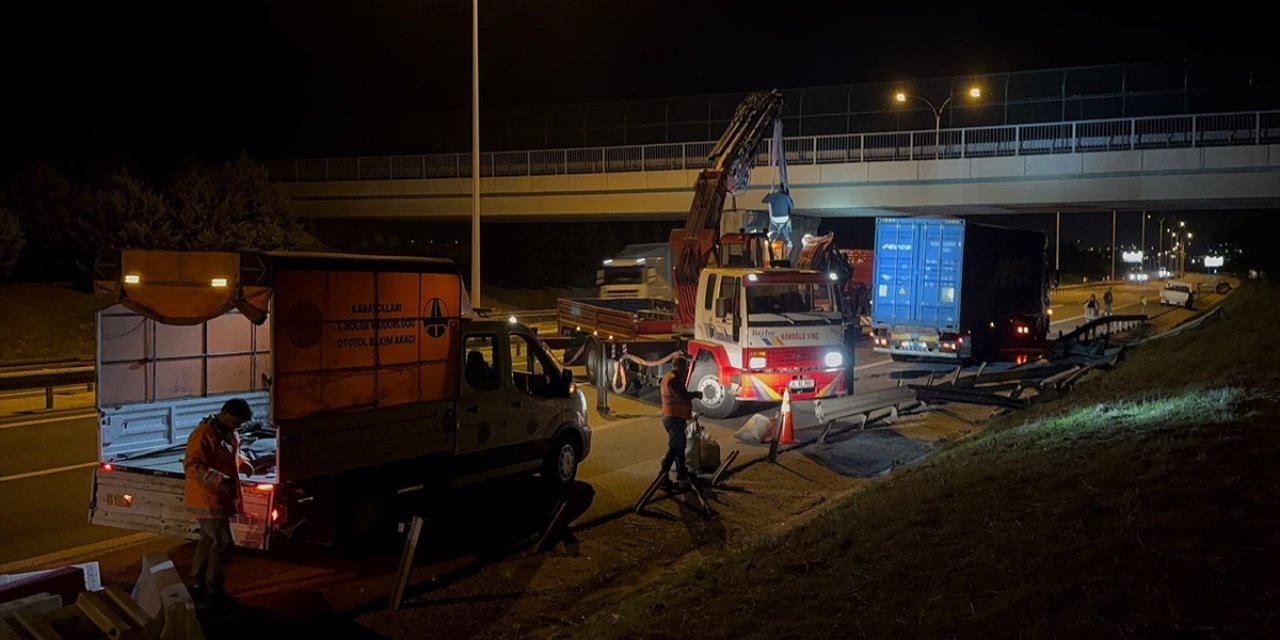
[592,359]
[560,466]
[716,401]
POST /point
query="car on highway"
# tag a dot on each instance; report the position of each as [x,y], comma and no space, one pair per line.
[1178,294]
[1139,276]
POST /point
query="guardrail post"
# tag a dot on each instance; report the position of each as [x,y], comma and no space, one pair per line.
[528,163]
[1193,131]
[1133,134]
[357,168]
[911,146]
[963,142]
[391,174]
[564,160]
[1075,137]
[424,167]
[813,150]
[326,169]
[457,165]
[604,167]
[1257,128]
[643,166]
[1017,140]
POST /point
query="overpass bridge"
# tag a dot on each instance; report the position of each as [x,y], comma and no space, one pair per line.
[1202,161]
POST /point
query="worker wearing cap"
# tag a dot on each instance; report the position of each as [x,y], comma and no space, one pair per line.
[677,410]
[213,494]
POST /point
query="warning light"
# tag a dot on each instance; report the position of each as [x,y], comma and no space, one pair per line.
[266,487]
[132,278]
[107,467]
[218,282]
[275,515]
[128,499]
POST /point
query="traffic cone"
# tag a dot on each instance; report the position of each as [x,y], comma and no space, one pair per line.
[788,429]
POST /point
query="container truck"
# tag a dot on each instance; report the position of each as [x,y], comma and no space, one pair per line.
[638,271]
[367,381]
[949,289]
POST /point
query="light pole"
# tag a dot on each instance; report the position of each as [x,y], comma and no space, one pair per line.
[1160,244]
[475,154]
[974,92]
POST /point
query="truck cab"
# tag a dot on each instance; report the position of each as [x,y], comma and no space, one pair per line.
[638,271]
[762,332]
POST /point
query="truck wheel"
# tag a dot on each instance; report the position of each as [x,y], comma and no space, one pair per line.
[361,520]
[716,401]
[593,360]
[560,466]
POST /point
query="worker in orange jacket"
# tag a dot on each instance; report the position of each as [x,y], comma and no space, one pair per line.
[677,410]
[213,494]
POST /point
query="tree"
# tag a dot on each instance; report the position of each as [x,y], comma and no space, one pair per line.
[42,200]
[123,214]
[231,208]
[11,242]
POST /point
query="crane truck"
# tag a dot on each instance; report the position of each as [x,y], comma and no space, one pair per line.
[752,327]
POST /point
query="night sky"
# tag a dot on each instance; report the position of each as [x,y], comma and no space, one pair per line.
[149,84]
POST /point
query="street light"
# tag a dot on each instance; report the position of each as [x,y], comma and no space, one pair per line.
[974,92]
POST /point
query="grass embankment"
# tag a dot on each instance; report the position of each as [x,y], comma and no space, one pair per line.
[1147,503]
[44,321]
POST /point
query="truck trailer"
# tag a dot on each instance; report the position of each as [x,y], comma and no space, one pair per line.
[367,380]
[947,289]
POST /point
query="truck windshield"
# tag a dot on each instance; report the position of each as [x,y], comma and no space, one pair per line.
[794,303]
[624,275]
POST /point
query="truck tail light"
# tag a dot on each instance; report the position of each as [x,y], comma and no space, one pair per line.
[266,487]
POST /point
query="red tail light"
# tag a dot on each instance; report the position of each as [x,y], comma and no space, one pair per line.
[107,467]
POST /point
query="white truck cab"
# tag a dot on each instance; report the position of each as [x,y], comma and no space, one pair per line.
[1178,293]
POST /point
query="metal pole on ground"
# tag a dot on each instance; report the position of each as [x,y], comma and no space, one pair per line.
[406,562]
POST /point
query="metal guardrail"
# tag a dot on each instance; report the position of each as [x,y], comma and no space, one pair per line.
[1156,132]
[1105,325]
[29,377]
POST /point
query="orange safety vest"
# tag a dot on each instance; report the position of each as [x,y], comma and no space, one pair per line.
[673,404]
[213,480]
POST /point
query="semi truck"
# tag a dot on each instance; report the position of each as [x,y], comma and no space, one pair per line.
[638,271]
[368,382]
[948,289]
[753,328]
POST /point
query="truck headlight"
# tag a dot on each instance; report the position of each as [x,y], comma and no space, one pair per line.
[757,362]
[833,359]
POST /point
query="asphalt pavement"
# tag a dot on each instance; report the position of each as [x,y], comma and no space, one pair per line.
[47,458]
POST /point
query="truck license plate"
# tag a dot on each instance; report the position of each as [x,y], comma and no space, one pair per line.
[802,384]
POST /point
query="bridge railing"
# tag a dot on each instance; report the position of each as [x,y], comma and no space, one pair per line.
[1158,132]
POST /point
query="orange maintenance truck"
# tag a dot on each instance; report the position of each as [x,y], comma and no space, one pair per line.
[369,380]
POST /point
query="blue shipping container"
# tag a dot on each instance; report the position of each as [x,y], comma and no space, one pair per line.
[918,272]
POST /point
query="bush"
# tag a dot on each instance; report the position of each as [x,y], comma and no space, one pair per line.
[12,240]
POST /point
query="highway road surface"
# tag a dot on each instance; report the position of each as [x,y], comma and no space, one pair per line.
[47,458]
